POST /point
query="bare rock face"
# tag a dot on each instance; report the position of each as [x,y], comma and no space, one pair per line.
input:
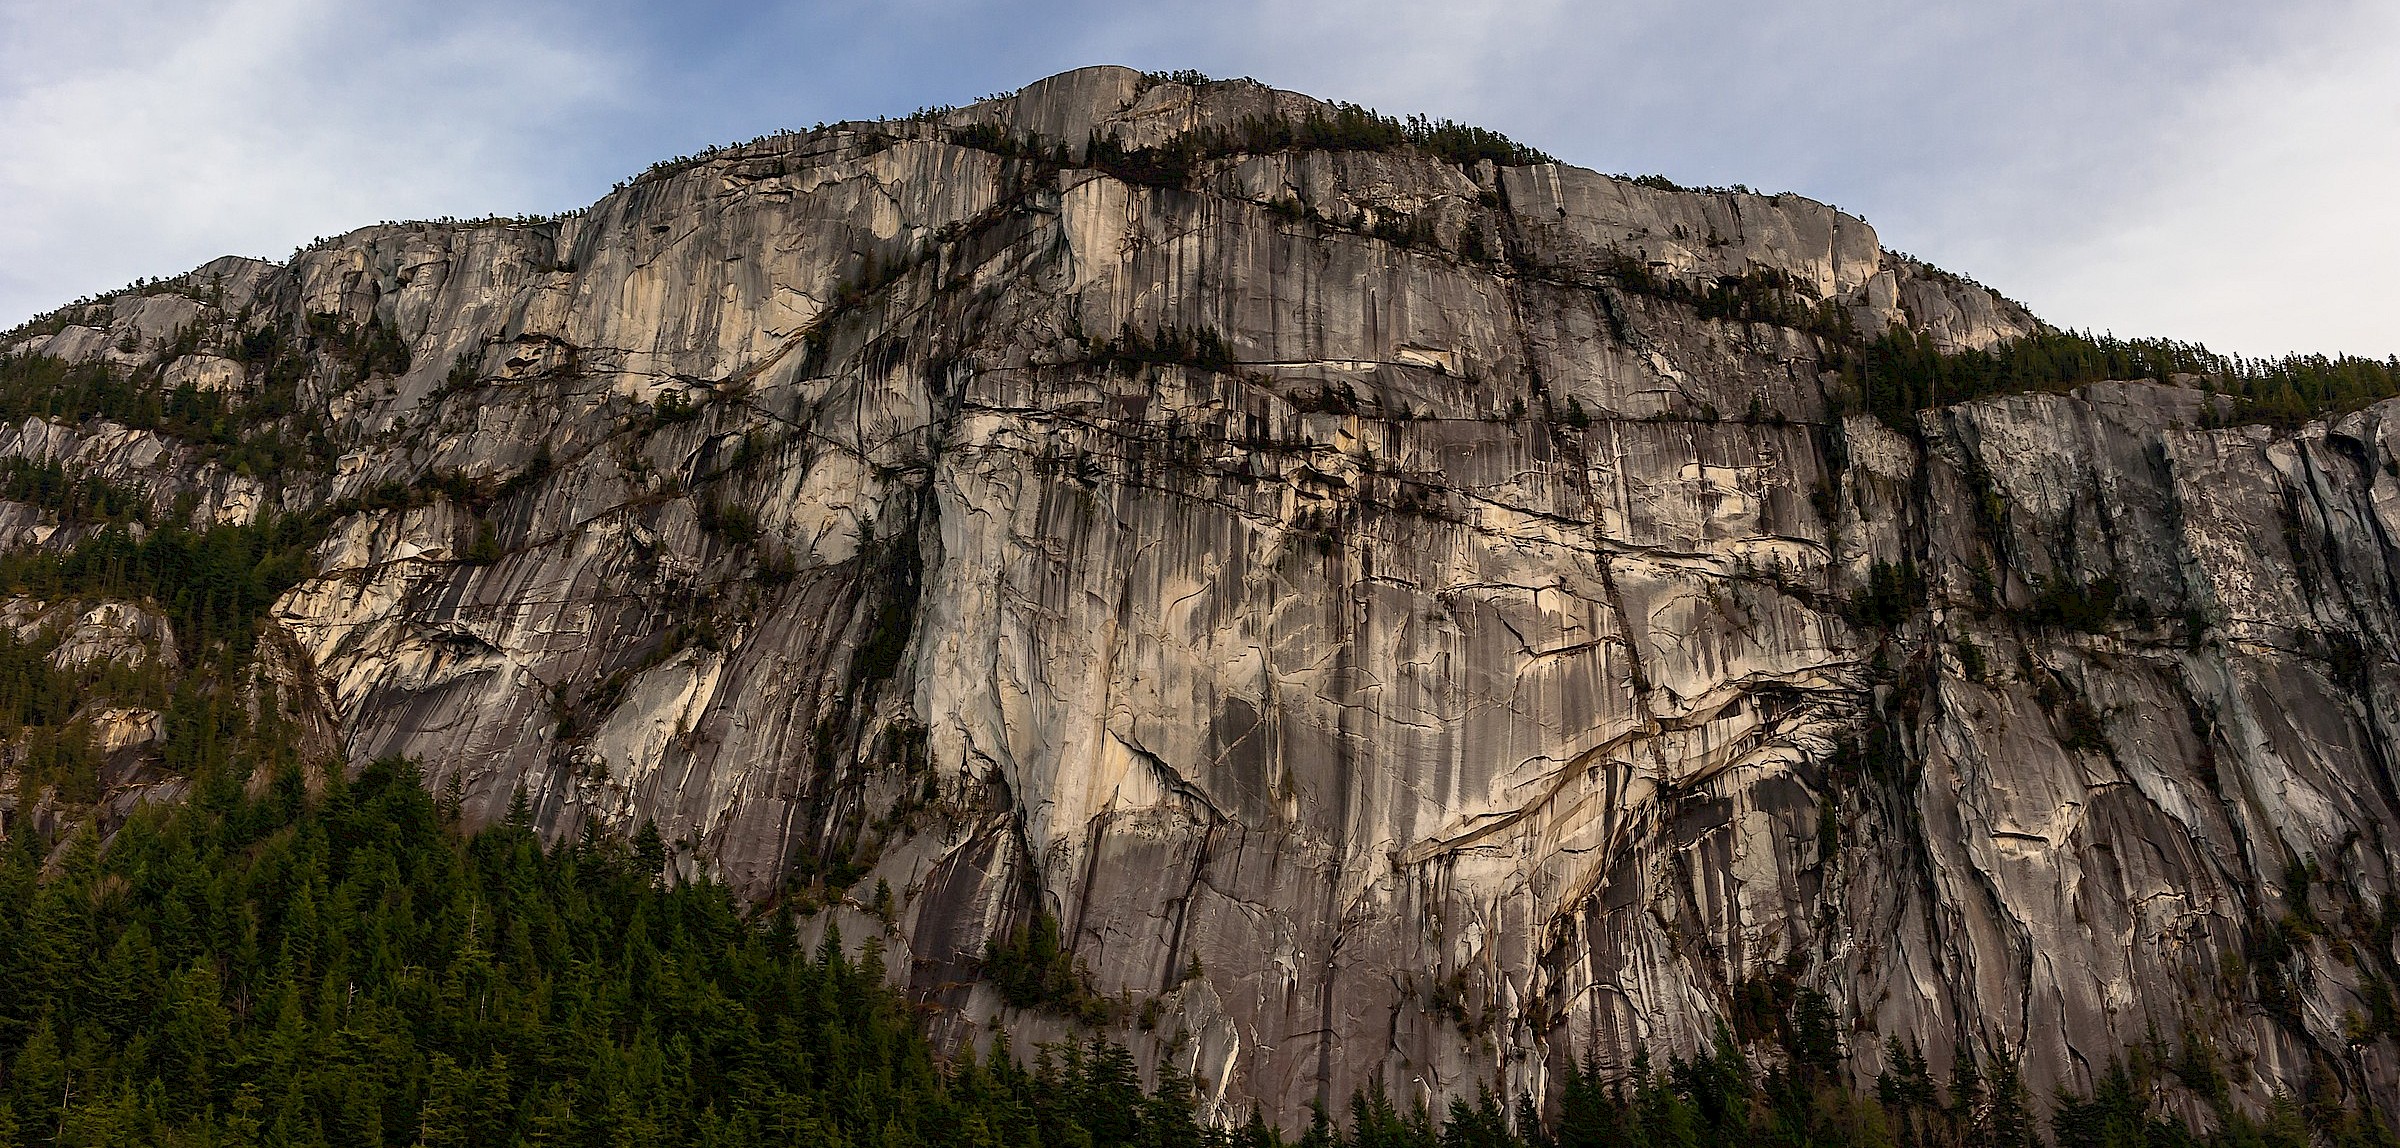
[1393,630]
[90,633]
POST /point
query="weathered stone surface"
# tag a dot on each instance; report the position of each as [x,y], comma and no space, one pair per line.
[89,633]
[1456,673]
[127,727]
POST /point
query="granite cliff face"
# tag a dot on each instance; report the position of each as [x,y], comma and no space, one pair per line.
[1393,631]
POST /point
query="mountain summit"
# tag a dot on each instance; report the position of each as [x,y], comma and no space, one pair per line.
[1326,600]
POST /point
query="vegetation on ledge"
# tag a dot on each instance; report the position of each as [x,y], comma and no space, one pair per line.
[1348,128]
[214,583]
[1902,372]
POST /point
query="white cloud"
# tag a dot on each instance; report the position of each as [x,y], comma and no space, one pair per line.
[2209,172]
[2261,222]
[143,141]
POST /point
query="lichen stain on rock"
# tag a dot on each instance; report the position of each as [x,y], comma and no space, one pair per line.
[1459,676]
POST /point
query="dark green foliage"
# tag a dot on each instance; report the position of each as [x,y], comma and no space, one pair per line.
[533,474]
[43,387]
[2120,1112]
[671,407]
[1829,828]
[1759,295]
[1654,182]
[1799,1021]
[1467,145]
[1986,1107]
[731,521]
[1473,247]
[1657,182]
[776,566]
[465,371]
[2289,391]
[2268,960]
[989,137]
[1349,127]
[2077,724]
[362,351]
[214,584]
[37,702]
[352,971]
[649,852]
[2066,605]
[259,431]
[485,550]
[425,490]
[870,279]
[2116,1115]
[756,448]
[1170,346]
[1893,593]
[1901,373]
[1970,659]
[1188,77]
[1033,968]
[1168,164]
[76,499]
[901,571]
[1990,507]
[1404,230]
[1879,756]
[1982,588]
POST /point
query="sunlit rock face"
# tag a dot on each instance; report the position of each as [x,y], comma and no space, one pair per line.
[1440,661]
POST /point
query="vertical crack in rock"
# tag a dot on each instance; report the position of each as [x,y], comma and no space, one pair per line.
[1399,593]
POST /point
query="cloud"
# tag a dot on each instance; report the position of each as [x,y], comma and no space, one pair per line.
[145,140]
[2261,216]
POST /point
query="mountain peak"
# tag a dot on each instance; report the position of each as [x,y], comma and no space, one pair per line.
[1330,601]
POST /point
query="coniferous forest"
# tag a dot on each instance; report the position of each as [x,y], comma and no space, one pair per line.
[343,965]
[348,968]
[287,956]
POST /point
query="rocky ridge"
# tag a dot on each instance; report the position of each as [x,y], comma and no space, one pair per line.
[1358,600]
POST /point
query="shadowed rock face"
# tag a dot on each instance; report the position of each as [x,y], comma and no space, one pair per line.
[1436,663]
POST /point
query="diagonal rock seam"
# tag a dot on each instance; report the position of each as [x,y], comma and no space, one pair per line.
[1450,740]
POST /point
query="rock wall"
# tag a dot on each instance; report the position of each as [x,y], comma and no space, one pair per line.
[1393,636]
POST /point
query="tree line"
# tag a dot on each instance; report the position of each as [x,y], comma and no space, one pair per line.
[350,968]
[1902,372]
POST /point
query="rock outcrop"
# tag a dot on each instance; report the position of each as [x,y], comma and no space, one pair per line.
[1392,630]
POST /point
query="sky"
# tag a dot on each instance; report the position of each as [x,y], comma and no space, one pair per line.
[2216,171]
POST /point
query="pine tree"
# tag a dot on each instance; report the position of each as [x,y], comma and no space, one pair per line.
[1169,1119]
[39,1074]
[242,1124]
[1254,1133]
[1110,1099]
[520,810]
[648,849]
[442,1118]
[2007,1124]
